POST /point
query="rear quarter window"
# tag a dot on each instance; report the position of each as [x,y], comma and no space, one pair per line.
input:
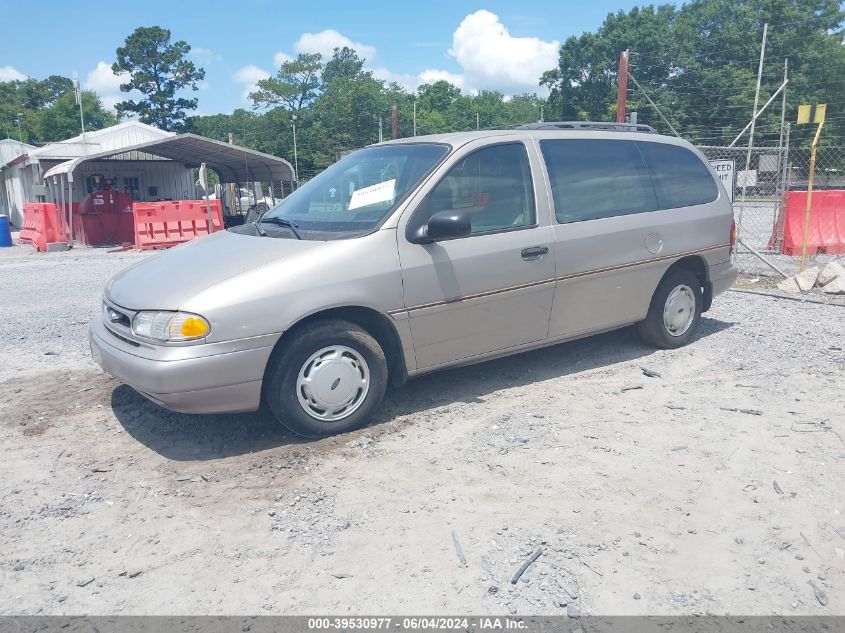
[680,177]
[593,179]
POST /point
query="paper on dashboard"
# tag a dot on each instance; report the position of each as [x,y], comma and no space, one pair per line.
[380,192]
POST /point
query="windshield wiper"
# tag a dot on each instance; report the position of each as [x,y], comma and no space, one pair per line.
[282,222]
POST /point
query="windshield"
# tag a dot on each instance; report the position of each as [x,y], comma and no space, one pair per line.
[354,195]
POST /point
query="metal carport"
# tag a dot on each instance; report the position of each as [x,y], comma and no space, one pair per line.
[231,163]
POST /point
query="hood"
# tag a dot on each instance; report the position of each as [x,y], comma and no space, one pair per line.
[167,280]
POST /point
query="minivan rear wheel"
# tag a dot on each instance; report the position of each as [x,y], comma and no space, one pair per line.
[674,312]
[327,378]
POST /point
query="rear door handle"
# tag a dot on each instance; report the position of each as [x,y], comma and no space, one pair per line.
[534,252]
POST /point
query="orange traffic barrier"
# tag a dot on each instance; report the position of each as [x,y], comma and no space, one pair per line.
[166,224]
[826,232]
[41,226]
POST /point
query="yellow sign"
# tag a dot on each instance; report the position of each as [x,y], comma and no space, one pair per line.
[811,113]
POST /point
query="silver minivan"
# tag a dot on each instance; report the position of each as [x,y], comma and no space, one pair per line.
[419,254]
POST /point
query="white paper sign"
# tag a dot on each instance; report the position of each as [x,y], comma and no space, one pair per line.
[380,192]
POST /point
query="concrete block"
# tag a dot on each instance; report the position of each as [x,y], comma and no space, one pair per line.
[831,272]
[789,285]
[835,286]
[807,279]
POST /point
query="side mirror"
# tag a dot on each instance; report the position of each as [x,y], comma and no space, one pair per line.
[445,225]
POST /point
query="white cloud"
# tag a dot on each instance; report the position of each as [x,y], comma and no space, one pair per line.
[102,80]
[431,75]
[412,82]
[110,101]
[326,41]
[492,58]
[205,55]
[488,56]
[249,76]
[407,81]
[280,58]
[9,73]
[107,85]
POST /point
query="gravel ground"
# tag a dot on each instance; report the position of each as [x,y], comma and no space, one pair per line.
[713,487]
[48,299]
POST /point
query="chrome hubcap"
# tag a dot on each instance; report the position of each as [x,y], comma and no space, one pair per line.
[679,310]
[333,383]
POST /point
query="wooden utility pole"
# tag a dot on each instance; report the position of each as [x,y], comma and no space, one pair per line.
[622,87]
[394,122]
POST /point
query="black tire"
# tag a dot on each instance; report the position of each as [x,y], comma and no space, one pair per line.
[653,329]
[280,380]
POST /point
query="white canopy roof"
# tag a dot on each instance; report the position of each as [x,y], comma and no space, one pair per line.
[113,137]
[231,162]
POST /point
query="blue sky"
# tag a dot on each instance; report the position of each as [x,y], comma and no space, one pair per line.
[493,45]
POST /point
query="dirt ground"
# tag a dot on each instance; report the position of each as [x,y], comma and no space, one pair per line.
[714,486]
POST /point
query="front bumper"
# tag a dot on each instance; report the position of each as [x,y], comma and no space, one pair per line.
[202,378]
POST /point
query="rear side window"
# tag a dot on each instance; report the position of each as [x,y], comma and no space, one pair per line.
[594,179]
[680,178]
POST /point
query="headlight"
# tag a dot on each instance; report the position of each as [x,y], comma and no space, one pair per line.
[170,326]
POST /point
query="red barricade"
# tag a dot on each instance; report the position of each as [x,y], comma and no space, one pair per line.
[826,232]
[41,225]
[166,224]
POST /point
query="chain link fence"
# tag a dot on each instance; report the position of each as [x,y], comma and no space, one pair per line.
[769,220]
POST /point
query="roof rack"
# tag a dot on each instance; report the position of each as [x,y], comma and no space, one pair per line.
[588,125]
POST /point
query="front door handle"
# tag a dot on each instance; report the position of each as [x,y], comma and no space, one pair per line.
[534,252]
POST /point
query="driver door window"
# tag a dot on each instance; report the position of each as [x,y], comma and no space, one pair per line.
[492,186]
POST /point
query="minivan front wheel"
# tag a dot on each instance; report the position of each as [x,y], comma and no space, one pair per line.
[675,311]
[328,378]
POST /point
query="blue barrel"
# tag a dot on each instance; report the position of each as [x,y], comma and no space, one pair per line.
[5,231]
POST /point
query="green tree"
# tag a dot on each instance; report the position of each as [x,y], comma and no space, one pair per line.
[699,64]
[583,86]
[344,64]
[717,95]
[294,85]
[48,110]
[60,120]
[345,115]
[10,106]
[525,108]
[158,69]
[438,96]
[54,87]
[485,110]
